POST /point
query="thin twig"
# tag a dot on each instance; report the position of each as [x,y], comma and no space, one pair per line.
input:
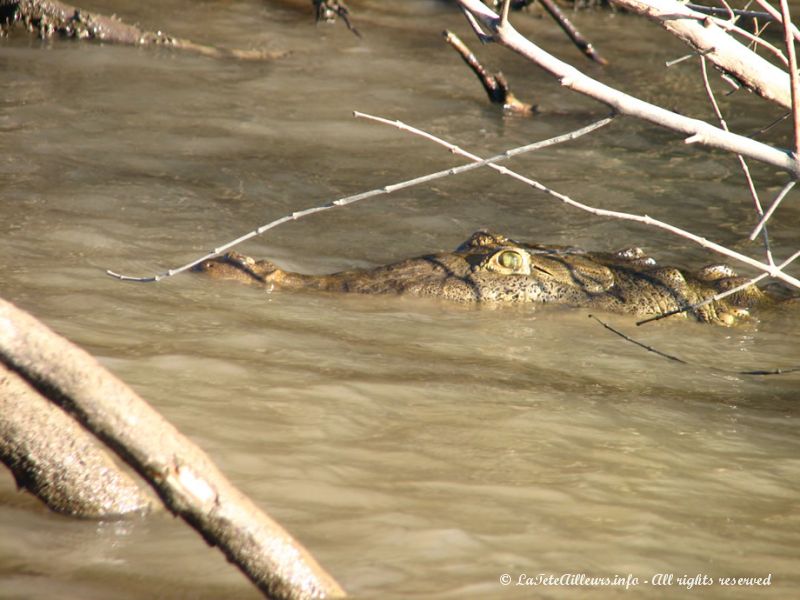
[789,39]
[572,32]
[672,357]
[388,189]
[769,126]
[672,63]
[709,300]
[721,295]
[762,223]
[482,36]
[730,26]
[776,14]
[710,94]
[772,270]
[754,38]
[504,13]
[727,8]
[742,162]
[729,54]
[627,338]
[711,10]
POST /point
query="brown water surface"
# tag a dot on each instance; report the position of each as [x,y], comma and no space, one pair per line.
[418,450]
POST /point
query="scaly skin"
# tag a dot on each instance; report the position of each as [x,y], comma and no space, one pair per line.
[490,268]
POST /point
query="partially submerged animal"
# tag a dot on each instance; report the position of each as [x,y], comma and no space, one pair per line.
[491,268]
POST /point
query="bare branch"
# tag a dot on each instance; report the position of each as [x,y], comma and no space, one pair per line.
[183,476]
[742,162]
[721,295]
[504,13]
[388,189]
[771,270]
[761,224]
[778,17]
[572,32]
[496,86]
[58,461]
[789,40]
[754,38]
[570,77]
[730,56]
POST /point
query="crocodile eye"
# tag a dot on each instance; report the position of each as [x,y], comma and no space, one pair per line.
[510,260]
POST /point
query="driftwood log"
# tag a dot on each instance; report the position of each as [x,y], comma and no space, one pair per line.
[182,475]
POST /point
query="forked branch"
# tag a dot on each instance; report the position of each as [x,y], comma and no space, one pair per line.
[490,26]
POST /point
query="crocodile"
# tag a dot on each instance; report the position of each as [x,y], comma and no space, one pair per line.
[489,268]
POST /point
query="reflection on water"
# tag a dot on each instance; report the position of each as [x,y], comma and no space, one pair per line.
[416,449]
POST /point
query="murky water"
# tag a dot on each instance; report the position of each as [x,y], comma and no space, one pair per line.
[418,450]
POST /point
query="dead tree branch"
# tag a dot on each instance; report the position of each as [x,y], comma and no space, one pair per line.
[387,189]
[697,131]
[57,460]
[770,269]
[775,13]
[710,40]
[185,479]
[496,85]
[795,86]
[572,32]
[742,162]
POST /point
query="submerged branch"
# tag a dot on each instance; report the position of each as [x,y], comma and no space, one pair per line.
[496,85]
[672,357]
